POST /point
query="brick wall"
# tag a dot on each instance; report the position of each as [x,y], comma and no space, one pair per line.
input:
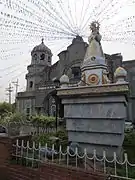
[16,172]
[50,172]
[47,171]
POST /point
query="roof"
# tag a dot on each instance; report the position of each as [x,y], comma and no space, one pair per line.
[41,48]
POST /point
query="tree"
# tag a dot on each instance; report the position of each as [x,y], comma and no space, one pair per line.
[5,109]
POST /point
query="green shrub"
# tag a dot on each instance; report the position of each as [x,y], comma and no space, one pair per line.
[45,138]
[129,139]
[129,146]
[41,120]
[17,117]
[63,137]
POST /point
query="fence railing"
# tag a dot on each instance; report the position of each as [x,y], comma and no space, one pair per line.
[30,129]
[32,154]
[27,128]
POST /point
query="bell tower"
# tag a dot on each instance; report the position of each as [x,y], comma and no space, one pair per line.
[41,56]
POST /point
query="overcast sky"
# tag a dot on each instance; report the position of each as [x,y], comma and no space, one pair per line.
[117,22]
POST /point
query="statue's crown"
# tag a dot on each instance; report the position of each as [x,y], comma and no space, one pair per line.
[94,25]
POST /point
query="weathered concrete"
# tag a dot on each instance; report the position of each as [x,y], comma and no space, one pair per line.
[95,116]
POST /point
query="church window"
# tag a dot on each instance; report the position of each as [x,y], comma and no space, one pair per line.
[42,57]
[76,72]
[46,56]
[28,112]
[53,110]
[38,110]
[35,56]
[31,84]
[49,59]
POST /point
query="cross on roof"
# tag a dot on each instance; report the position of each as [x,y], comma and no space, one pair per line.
[42,40]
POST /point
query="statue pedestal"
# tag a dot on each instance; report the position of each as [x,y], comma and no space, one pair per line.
[95,116]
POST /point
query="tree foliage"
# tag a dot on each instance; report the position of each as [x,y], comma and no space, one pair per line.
[5,109]
[8,114]
[13,118]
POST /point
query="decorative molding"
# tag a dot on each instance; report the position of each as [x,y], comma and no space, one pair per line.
[91,90]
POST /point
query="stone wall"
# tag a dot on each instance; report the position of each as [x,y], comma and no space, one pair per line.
[73,56]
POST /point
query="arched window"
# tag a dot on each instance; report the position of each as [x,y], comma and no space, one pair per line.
[49,59]
[42,57]
[76,72]
[35,56]
[53,110]
[31,84]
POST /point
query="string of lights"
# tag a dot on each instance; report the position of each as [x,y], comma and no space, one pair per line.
[32,31]
[25,22]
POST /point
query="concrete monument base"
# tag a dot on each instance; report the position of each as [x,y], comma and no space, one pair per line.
[95,116]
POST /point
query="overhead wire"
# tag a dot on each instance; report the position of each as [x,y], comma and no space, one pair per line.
[24,23]
[83,15]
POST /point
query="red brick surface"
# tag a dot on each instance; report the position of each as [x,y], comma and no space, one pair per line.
[44,172]
[49,172]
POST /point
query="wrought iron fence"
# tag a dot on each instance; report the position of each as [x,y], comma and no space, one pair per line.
[27,128]
[32,154]
[31,129]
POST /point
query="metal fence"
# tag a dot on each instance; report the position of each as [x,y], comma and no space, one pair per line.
[27,128]
[30,129]
[32,154]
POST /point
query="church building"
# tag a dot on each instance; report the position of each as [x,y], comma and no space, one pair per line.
[43,77]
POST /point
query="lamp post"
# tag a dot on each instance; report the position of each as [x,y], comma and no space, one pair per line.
[57,85]
[56,114]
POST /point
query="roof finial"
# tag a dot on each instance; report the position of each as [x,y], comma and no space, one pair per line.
[42,40]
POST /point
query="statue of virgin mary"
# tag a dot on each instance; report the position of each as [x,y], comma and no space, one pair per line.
[94,50]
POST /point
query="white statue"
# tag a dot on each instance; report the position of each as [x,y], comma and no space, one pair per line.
[94,67]
[94,49]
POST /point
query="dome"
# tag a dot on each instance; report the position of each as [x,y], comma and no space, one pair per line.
[41,48]
[120,72]
[64,79]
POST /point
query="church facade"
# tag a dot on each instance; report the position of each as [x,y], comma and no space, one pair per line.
[42,77]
